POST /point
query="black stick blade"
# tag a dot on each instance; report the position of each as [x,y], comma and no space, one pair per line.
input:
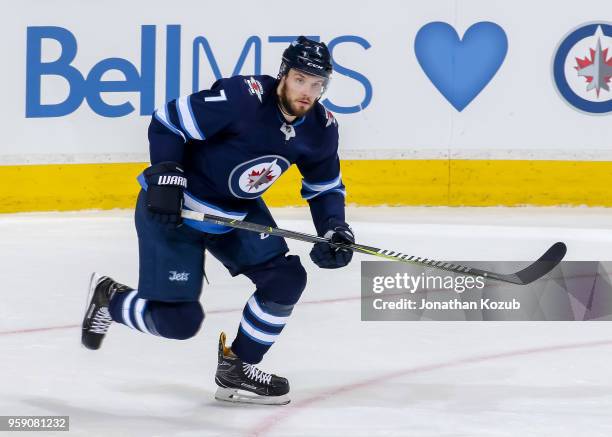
[548,261]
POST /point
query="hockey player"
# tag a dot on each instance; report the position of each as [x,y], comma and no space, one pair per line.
[217,151]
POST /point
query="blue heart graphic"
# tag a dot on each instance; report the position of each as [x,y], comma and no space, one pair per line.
[460,69]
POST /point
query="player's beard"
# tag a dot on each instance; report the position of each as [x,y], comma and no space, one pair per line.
[288,107]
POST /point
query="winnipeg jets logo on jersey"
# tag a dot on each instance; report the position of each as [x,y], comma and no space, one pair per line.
[250,179]
[330,119]
[288,130]
[255,88]
[257,178]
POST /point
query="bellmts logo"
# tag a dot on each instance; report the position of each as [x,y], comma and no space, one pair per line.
[140,77]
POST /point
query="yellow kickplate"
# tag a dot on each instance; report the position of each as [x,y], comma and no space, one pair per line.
[60,187]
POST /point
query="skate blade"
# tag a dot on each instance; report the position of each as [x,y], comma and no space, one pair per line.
[243,397]
[93,281]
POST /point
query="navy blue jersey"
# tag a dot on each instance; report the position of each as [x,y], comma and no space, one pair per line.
[234,143]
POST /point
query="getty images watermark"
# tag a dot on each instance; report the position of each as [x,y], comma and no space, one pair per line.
[400,291]
[401,283]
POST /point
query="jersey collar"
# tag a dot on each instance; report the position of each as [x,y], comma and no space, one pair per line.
[294,123]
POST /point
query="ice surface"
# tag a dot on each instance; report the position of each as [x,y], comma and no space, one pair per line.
[348,377]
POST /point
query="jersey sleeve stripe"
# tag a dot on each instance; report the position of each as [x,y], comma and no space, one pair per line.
[313,195]
[195,123]
[162,116]
[188,122]
[311,190]
[322,186]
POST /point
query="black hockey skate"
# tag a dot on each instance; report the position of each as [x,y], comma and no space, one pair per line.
[97,318]
[243,382]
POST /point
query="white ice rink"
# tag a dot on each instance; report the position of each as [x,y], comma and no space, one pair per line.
[348,377]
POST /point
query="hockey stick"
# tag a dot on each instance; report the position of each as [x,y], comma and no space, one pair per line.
[535,270]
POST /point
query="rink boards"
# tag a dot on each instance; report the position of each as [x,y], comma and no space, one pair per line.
[81,88]
[369,182]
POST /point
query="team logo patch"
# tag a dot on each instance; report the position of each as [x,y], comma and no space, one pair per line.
[582,68]
[329,117]
[255,88]
[250,179]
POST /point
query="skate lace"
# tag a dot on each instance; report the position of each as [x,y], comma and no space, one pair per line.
[255,374]
[101,321]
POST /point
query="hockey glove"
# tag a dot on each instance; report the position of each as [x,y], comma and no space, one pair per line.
[166,182]
[329,257]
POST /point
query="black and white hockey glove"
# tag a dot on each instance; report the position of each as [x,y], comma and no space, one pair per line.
[329,257]
[166,182]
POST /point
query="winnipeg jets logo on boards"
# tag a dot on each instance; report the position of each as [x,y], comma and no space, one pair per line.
[582,68]
[250,179]
[255,88]
[330,119]
[288,130]
[597,71]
